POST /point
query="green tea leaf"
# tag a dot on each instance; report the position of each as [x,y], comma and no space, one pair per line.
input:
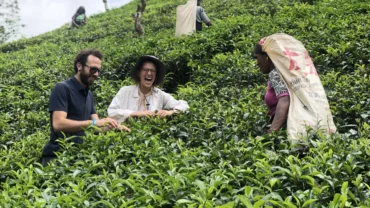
[308,202]
[245,201]
[227,205]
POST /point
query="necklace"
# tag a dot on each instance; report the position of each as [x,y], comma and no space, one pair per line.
[147,103]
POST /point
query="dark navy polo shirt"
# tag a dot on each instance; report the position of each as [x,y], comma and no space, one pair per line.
[78,102]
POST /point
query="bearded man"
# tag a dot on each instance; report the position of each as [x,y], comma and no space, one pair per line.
[71,105]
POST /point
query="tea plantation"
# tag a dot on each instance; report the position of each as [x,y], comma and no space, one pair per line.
[217,154]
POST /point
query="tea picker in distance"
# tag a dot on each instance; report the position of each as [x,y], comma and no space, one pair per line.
[189,18]
[71,105]
[79,18]
[295,96]
[143,99]
[201,17]
[139,28]
[106,5]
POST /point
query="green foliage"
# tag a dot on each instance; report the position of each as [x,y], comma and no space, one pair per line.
[210,156]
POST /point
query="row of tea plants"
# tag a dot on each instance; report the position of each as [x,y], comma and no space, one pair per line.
[212,155]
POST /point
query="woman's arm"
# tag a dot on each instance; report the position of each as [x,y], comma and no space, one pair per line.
[170,103]
[117,109]
[281,113]
[282,94]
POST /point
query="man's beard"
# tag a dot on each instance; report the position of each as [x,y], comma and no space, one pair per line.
[85,79]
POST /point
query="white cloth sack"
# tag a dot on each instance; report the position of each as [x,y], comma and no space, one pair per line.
[185,18]
[308,103]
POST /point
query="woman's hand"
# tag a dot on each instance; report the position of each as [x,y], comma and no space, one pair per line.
[123,128]
[147,113]
[165,113]
[119,127]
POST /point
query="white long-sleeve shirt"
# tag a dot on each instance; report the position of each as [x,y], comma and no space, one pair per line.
[126,102]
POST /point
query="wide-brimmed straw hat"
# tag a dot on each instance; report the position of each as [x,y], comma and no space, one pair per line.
[160,70]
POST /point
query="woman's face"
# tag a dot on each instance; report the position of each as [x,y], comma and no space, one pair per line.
[147,75]
[263,63]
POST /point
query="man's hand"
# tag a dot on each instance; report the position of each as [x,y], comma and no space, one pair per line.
[111,123]
[165,113]
[106,128]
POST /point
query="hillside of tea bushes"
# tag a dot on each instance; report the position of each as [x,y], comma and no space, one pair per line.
[210,156]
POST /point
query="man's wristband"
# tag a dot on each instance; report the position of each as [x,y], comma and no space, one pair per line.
[93,121]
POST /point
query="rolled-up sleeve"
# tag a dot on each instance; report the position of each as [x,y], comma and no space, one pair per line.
[117,110]
[204,16]
[170,103]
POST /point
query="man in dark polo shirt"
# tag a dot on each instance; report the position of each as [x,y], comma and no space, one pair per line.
[71,105]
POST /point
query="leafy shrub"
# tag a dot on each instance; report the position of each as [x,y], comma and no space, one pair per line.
[210,156]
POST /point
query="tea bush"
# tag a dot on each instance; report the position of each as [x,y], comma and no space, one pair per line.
[212,155]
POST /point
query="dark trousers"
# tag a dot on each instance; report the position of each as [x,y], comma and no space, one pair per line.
[47,159]
[198,26]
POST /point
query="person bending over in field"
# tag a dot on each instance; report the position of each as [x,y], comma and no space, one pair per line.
[139,28]
[79,18]
[277,95]
[295,96]
[143,98]
[201,17]
[71,105]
